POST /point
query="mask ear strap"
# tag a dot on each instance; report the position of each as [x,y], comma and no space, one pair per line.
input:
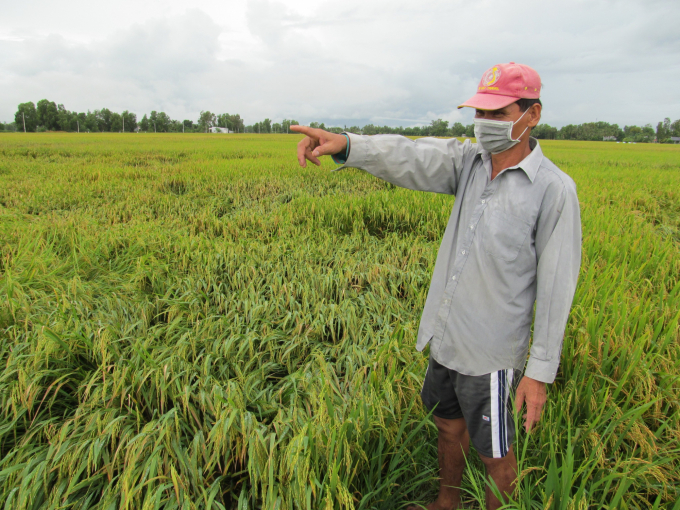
[519,138]
[520,118]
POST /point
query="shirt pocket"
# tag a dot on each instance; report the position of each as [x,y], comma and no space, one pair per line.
[504,235]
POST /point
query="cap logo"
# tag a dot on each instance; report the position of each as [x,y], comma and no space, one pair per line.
[491,76]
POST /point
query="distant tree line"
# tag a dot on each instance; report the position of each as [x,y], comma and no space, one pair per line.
[601,130]
[49,116]
[595,131]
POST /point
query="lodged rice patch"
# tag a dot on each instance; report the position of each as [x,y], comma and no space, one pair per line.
[193,321]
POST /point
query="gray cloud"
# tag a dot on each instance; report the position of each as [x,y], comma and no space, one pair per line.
[388,62]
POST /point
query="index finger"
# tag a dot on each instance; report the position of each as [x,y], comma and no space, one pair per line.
[305,130]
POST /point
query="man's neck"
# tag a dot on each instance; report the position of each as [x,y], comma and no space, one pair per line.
[511,157]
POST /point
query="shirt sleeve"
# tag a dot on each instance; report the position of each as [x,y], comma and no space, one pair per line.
[425,164]
[558,250]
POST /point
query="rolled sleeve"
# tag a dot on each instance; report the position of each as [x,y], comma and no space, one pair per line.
[558,250]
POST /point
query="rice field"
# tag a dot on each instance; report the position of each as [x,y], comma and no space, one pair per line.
[195,322]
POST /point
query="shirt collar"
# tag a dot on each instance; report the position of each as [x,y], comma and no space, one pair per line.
[528,165]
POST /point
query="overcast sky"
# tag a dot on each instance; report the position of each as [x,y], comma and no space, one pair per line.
[342,62]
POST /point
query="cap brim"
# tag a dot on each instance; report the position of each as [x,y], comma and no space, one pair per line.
[483,101]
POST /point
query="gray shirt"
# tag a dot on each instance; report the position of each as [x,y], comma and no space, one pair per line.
[509,243]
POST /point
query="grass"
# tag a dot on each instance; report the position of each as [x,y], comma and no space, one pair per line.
[193,321]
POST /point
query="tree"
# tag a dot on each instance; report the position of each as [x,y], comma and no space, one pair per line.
[286,123]
[65,118]
[163,122]
[237,123]
[439,127]
[544,132]
[369,129]
[81,122]
[223,120]
[663,130]
[233,123]
[116,122]
[130,121]
[457,129]
[26,112]
[144,124]
[674,128]
[48,115]
[648,131]
[104,118]
[153,117]
[92,121]
[206,120]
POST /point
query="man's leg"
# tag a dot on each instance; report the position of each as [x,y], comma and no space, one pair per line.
[453,444]
[503,472]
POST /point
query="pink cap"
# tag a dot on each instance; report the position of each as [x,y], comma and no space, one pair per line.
[504,84]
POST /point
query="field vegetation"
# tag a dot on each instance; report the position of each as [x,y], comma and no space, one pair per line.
[196,322]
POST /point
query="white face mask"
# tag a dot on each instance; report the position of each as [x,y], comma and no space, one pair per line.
[495,136]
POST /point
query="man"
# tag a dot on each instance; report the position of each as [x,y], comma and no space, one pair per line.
[513,240]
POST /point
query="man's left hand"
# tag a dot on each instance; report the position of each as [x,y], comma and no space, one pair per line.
[533,393]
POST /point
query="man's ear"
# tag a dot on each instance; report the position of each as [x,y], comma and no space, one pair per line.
[534,115]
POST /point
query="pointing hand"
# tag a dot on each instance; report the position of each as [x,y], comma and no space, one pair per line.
[317,143]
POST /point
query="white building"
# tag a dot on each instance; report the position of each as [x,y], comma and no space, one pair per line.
[216,129]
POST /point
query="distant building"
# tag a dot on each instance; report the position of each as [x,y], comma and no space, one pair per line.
[608,138]
[675,139]
[216,129]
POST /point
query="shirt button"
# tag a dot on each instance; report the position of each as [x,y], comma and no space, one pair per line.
[446,301]
[472,227]
[462,252]
[453,277]
[484,201]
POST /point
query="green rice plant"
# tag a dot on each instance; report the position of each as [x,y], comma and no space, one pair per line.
[196,322]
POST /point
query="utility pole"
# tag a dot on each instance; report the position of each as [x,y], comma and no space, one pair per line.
[24,119]
[123,123]
[154,126]
[78,124]
[182,126]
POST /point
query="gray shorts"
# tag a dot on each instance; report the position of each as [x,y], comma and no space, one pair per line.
[484,401]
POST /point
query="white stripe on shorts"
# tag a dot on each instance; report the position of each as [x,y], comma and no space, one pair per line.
[508,384]
[495,418]
[500,383]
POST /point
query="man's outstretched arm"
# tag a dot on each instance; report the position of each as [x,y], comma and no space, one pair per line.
[426,164]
